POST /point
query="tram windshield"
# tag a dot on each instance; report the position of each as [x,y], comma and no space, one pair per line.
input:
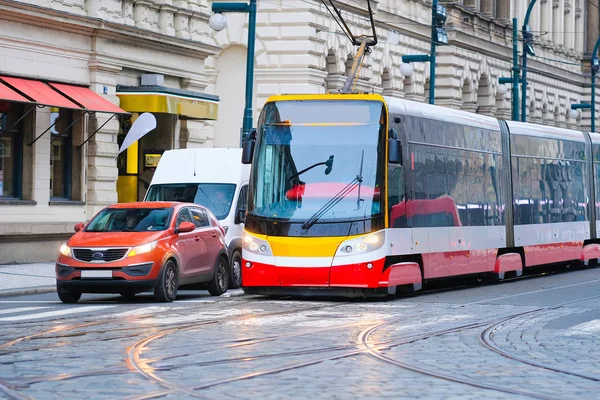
[317,161]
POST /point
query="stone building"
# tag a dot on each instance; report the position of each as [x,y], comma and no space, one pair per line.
[160,56]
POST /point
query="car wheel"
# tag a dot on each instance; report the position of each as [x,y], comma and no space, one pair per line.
[168,283]
[68,298]
[220,280]
[235,280]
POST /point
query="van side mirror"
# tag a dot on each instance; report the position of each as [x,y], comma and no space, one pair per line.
[394,148]
[79,226]
[240,216]
[248,147]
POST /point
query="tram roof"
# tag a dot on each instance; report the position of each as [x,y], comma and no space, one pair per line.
[595,137]
[445,114]
[545,131]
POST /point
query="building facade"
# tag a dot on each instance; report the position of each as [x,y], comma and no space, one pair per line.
[160,56]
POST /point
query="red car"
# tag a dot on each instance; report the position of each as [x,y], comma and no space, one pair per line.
[129,248]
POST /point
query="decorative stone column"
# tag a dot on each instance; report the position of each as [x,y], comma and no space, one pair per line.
[487,7]
[167,20]
[546,23]
[182,24]
[127,11]
[503,11]
[471,4]
[593,25]
[579,28]
[558,20]
[569,16]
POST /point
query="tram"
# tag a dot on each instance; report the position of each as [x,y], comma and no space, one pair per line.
[366,195]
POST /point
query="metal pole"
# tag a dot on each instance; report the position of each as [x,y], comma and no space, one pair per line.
[515,83]
[524,89]
[594,72]
[432,53]
[524,81]
[357,61]
[593,99]
[247,122]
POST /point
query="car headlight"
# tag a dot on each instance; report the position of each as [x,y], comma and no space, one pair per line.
[65,250]
[363,244]
[142,249]
[256,245]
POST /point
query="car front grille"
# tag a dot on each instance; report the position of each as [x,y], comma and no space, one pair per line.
[99,255]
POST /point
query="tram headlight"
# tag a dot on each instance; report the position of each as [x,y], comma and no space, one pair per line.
[256,245]
[363,244]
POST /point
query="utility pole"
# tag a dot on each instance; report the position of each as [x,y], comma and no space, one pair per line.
[514,80]
[527,49]
[438,37]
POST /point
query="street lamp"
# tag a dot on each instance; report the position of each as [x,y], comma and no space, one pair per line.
[573,113]
[406,69]
[502,89]
[438,37]
[527,49]
[218,22]
[514,80]
[592,107]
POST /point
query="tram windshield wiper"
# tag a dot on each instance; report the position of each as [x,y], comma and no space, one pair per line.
[337,198]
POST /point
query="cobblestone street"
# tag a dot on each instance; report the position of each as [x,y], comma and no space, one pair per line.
[531,338]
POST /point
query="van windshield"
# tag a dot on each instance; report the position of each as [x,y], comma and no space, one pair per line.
[215,196]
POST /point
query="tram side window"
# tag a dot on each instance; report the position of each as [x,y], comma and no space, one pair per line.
[451,185]
[549,191]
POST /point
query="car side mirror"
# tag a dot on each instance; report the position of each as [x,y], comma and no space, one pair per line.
[185,227]
[394,148]
[79,226]
[240,216]
[248,147]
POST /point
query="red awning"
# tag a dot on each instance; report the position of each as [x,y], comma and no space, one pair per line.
[39,92]
[7,93]
[88,99]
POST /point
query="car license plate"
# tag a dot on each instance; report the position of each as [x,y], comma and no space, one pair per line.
[96,274]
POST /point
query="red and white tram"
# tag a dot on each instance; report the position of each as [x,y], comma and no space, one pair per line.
[366,194]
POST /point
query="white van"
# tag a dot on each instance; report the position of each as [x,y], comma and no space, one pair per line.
[214,178]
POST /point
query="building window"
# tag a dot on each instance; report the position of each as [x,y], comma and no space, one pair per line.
[61,155]
[11,151]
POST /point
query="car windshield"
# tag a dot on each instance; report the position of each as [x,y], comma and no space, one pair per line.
[318,161]
[215,196]
[131,220]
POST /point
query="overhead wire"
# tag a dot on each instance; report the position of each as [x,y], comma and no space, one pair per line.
[487,29]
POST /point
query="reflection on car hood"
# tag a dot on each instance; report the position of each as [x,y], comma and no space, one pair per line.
[113,239]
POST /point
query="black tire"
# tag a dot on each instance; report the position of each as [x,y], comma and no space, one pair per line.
[220,280]
[235,274]
[168,283]
[68,298]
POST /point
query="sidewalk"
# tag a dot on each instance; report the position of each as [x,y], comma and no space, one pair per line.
[19,279]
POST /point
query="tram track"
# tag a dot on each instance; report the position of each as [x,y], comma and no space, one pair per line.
[376,352]
[378,347]
[142,366]
[486,340]
[171,329]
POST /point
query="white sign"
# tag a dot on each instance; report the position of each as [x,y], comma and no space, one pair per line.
[144,124]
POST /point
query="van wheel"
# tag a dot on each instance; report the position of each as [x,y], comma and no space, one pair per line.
[168,283]
[235,279]
[220,280]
